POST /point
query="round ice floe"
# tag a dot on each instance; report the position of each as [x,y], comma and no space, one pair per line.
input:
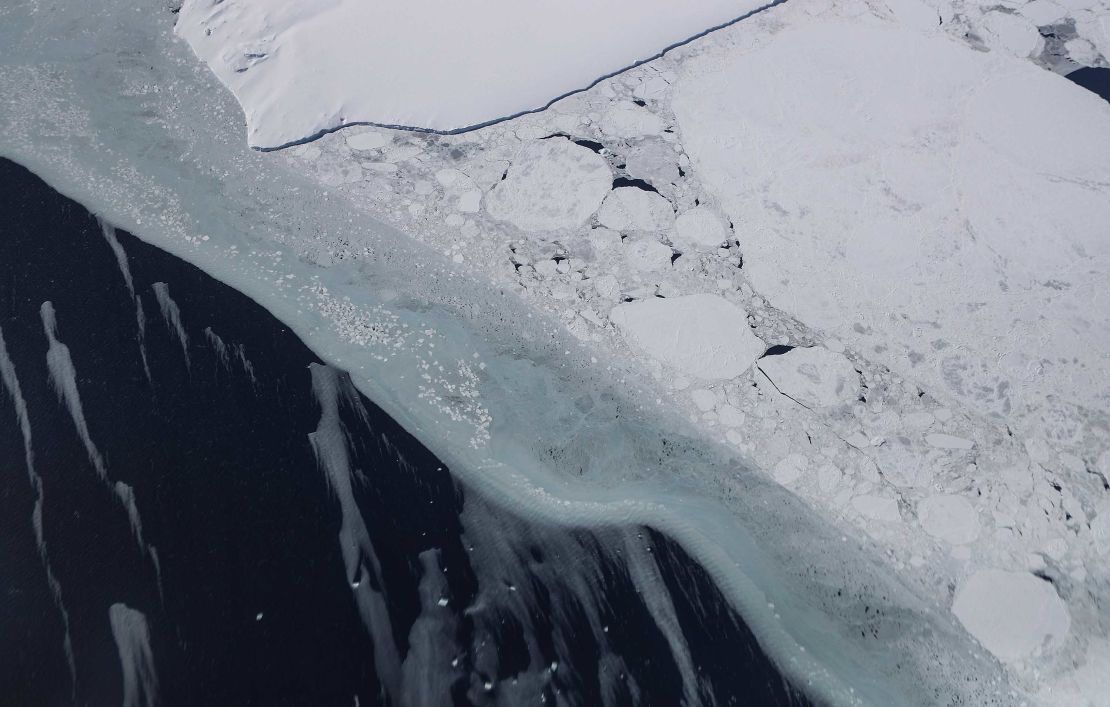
[815,377]
[634,209]
[701,228]
[1011,613]
[702,335]
[552,184]
[949,518]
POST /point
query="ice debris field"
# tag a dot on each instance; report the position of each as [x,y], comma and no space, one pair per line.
[857,248]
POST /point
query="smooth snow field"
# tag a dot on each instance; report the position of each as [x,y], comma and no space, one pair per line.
[299,69]
[819,295]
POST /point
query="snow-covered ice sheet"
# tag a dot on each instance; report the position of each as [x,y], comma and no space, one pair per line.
[299,69]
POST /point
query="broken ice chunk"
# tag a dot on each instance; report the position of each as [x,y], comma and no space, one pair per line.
[815,377]
[701,228]
[943,441]
[634,209]
[877,508]
[647,255]
[702,335]
[949,518]
[552,184]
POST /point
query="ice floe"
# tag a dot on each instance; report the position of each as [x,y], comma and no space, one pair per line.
[813,376]
[870,464]
[704,336]
[551,184]
[1013,614]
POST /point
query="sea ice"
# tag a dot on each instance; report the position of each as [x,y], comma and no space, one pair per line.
[949,196]
[1011,613]
[700,335]
[949,518]
[813,376]
[299,69]
[551,184]
[700,228]
[633,209]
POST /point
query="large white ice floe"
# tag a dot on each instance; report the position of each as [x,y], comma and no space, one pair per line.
[299,69]
[1013,614]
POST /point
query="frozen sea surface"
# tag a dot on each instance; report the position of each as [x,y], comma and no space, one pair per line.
[144,135]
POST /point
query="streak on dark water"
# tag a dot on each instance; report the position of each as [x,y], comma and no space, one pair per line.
[258,533]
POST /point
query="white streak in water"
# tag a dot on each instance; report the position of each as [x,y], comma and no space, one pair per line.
[125,269]
[126,496]
[11,384]
[248,367]
[644,572]
[63,378]
[172,315]
[329,443]
[222,352]
[121,256]
[225,352]
[140,321]
[132,636]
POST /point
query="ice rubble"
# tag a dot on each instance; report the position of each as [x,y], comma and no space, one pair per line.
[955,459]
[884,464]
[438,65]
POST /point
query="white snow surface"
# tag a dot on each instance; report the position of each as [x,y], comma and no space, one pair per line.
[705,336]
[299,69]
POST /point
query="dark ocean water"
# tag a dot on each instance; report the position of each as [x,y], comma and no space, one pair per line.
[1093,78]
[195,511]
